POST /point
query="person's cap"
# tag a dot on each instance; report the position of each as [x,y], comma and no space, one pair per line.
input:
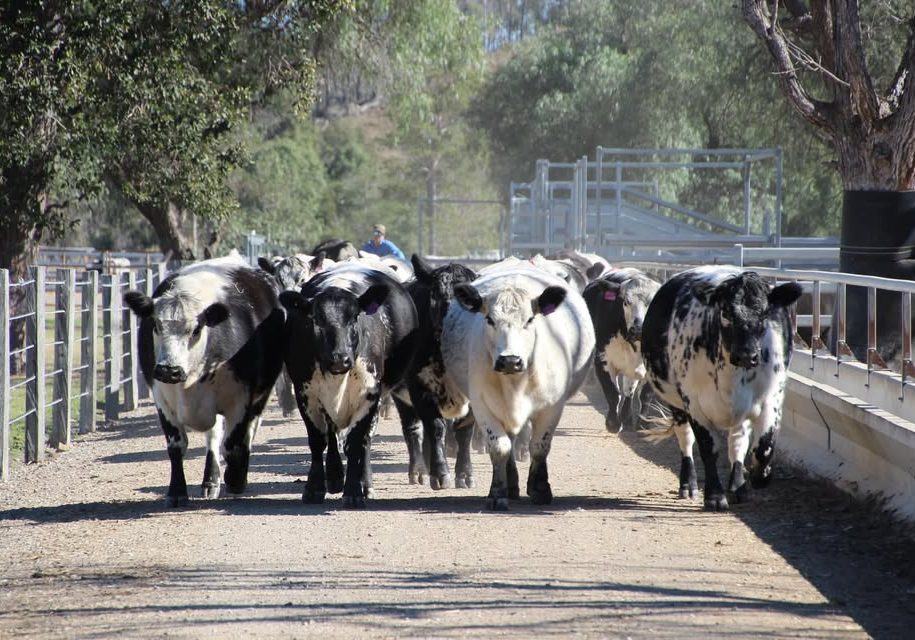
[378,228]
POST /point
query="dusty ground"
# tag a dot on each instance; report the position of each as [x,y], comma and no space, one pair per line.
[88,550]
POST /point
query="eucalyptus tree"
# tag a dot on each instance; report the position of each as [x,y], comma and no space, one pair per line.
[847,68]
[145,95]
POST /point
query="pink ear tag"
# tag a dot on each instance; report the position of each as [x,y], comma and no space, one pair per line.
[372,308]
[609,295]
[547,309]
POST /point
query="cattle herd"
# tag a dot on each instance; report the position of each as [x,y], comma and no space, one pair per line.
[499,351]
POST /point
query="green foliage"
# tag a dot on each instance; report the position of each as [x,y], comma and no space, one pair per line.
[619,74]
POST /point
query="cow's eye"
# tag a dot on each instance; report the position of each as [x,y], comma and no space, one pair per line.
[490,321]
[528,322]
[725,321]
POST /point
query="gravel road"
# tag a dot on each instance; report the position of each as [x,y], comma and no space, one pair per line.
[89,550]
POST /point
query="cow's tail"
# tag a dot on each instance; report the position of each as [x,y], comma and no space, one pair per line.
[661,421]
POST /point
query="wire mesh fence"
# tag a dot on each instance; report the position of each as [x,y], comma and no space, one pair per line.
[74,360]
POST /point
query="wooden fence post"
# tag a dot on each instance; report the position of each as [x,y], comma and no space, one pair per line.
[35,435]
[65,337]
[111,301]
[88,382]
[131,391]
[148,288]
[5,377]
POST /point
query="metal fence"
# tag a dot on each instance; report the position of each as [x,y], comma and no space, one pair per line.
[66,372]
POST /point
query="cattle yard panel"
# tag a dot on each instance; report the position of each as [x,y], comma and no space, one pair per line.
[62,310]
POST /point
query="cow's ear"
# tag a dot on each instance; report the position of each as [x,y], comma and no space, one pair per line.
[468,297]
[370,301]
[785,294]
[422,270]
[610,290]
[595,271]
[293,300]
[551,298]
[317,263]
[140,303]
[215,313]
[266,265]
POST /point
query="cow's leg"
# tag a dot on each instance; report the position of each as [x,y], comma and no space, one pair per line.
[236,450]
[316,485]
[335,472]
[715,499]
[463,467]
[176,445]
[689,484]
[765,430]
[358,446]
[500,450]
[211,479]
[413,437]
[738,445]
[521,444]
[434,442]
[611,393]
[511,473]
[451,444]
[543,425]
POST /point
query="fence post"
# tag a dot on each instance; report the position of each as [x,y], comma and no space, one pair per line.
[35,369]
[131,392]
[88,384]
[111,312]
[64,336]
[142,387]
[4,377]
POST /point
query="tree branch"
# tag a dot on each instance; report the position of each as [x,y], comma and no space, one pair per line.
[899,94]
[757,16]
[850,63]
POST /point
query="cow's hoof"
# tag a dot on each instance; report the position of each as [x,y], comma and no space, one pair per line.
[716,502]
[760,479]
[209,491]
[334,485]
[690,491]
[613,424]
[354,502]
[440,482]
[541,494]
[742,493]
[176,501]
[497,504]
[417,478]
[313,495]
[368,492]
[464,481]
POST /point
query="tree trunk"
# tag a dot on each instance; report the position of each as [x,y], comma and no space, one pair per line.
[167,221]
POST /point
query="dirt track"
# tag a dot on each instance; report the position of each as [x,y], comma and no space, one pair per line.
[89,551]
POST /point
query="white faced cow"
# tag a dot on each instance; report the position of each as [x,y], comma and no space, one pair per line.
[617,302]
[211,345]
[351,336]
[717,342]
[516,343]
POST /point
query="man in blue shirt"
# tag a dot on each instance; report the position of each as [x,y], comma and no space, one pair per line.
[379,246]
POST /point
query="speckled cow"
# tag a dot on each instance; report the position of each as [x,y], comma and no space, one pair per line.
[717,342]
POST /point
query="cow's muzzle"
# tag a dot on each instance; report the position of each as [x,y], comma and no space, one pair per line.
[169,374]
[340,364]
[745,360]
[509,364]
[634,334]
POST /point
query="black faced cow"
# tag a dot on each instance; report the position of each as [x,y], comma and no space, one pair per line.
[617,302]
[432,291]
[211,345]
[516,343]
[717,342]
[351,335]
[291,272]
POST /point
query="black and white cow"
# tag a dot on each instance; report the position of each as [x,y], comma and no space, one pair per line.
[291,272]
[516,343]
[717,342]
[336,249]
[617,302]
[211,347]
[432,291]
[351,335]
